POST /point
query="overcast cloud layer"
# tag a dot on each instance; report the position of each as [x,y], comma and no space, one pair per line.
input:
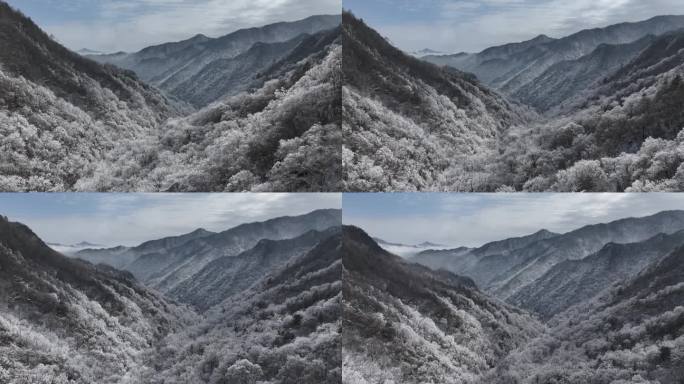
[130,25]
[473,25]
[130,218]
[475,219]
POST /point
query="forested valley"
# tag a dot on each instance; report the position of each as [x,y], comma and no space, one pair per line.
[599,304]
[75,123]
[257,303]
[599,110]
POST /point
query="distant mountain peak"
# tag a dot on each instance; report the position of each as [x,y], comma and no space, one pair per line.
[542,37]
[543,232]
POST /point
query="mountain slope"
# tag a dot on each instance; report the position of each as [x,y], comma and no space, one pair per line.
[461,260]
[566,79]
[64,110]
[575,281]
[489,64]
[170,264]
[183,262]
[632,333]
[69,123]
[123,257]
[229,275]
[610,99]
[284,329]
[533,261]
[64,320]
[525,260]
[228,77]
[407,121]
[405,323]
[620,134]
[201,70]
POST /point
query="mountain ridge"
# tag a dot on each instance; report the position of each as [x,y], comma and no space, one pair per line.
[187,68]
[169,262]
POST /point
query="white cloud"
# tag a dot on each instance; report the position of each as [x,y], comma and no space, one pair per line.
[131,218]
[474,219]
[130,25]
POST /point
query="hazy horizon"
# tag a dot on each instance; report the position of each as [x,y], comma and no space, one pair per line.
[130,25]
[112,219]
[438,24]
[473,219]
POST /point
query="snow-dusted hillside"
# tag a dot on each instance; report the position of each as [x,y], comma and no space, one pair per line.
[285,329]
[60,114]
[631,333]
[404,323]
[408,124]
[574,281]
[228,275]
[67,321]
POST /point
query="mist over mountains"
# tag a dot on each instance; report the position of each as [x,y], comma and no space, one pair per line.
[267,97]
[593,111]
[260,302]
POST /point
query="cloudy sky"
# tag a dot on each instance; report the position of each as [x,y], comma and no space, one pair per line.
[472,25]
[475,219]
[129,25]
[129,218]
